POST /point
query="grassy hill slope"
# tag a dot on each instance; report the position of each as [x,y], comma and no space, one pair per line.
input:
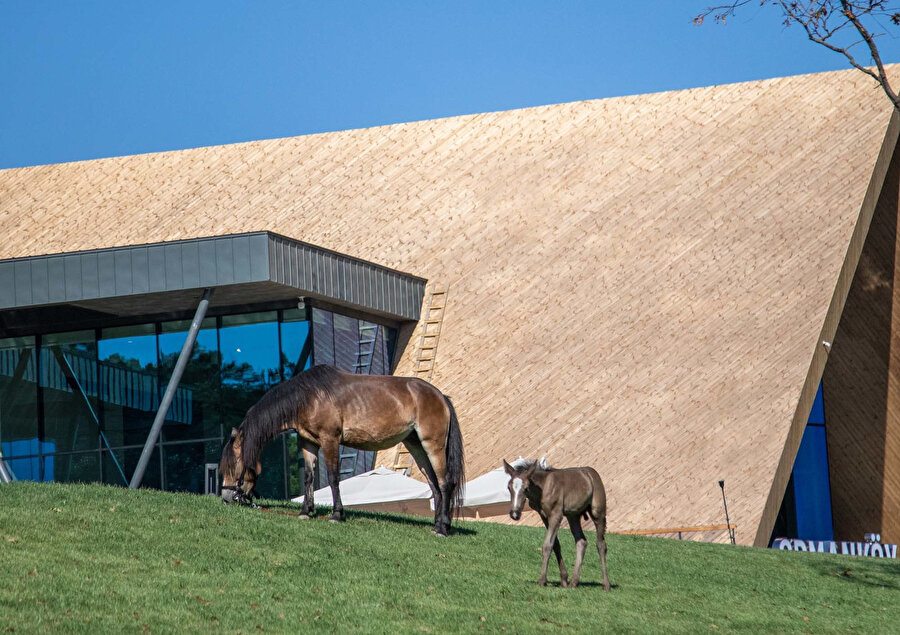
[94,559]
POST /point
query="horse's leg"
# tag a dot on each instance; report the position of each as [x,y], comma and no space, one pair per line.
[310,460]
[414,445]
[552,529]
[580,546]
[563,574]
[331,452]
[600,524]
[435,449]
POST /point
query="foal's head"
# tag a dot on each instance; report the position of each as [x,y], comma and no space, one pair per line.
[238,480]
[519,479]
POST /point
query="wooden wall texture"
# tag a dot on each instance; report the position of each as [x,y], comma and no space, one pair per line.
[637,283]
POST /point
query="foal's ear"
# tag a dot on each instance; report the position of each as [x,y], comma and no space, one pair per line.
[528,472]
[234,433]
[509,468]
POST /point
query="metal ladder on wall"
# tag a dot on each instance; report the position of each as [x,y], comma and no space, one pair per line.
[424,356]
[365,353]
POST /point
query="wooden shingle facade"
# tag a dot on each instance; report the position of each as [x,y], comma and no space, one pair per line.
[642,284]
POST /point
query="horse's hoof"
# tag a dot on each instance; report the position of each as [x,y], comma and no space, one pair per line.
[303,516]
[564,583]
[440,535]
[542,583]
[336,519]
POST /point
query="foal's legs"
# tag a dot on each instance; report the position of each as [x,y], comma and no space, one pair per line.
[580,546]
[331,452]
[563,574]
[310,459]
[552,529]
[414,445]
[600,524]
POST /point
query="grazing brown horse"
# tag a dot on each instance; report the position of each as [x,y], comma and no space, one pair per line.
[328,407]
[555,494]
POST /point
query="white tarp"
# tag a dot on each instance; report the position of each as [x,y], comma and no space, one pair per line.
[491,487]
[380,485]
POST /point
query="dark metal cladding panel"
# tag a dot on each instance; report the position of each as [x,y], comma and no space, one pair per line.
[209,262]
[156,265]
[56,279]
[280,256]
[23,282]
[73,277]
[123,274]
[241,249]
[272,256]
[40,294]
[8,284]
[318,272]
[206,253]
[90,276]
[106,280]
[174,277]
[259,257]
[140,270]
[190,265]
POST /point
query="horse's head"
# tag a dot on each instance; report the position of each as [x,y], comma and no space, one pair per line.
[519,480]
[238,480]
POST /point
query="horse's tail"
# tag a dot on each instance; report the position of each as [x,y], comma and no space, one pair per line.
[456,468]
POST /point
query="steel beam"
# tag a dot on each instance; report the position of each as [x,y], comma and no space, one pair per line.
[183,358]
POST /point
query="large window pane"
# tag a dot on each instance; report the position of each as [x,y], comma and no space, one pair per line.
[127,458]
[296,345]
[250,367]
[129,392]
[18,407]
[68,370]
[194,413]
[250,361]
[81,467]
[323,337]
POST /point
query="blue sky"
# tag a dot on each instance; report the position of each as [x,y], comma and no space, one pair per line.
[96,79]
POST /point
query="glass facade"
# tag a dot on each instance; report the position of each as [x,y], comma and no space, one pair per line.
[78,406]
[806,510]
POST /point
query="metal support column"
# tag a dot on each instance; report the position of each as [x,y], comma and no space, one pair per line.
[183,358]
[5,476]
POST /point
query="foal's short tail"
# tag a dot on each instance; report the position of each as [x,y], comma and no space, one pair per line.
[456,468]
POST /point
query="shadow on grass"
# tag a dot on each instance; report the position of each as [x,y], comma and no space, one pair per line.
[880,573]
[322,513]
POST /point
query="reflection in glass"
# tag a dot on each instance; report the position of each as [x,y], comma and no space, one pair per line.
[99,392]
[296,346]
[195,415]
[323,337]
[18,408]
[129,391]
[68,370]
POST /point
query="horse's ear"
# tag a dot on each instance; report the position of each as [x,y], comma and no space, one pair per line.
[509,468]
[234,433]
[530,471]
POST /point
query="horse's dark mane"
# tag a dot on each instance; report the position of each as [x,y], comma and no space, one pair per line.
[267,417]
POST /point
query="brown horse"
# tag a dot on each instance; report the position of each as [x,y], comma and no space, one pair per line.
[328,407]
[555,494]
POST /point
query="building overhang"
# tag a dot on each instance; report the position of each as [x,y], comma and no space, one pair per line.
[116,284]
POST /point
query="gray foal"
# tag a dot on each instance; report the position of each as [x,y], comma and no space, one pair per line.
[554,494]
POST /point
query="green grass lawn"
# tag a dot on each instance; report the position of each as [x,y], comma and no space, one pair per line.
[97,559]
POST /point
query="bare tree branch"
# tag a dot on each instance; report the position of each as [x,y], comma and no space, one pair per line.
[827,23]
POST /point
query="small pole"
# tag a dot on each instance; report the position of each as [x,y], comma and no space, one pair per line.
[183,358]
[725,503]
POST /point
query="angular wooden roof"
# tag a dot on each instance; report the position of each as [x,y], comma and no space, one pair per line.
[637,283]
